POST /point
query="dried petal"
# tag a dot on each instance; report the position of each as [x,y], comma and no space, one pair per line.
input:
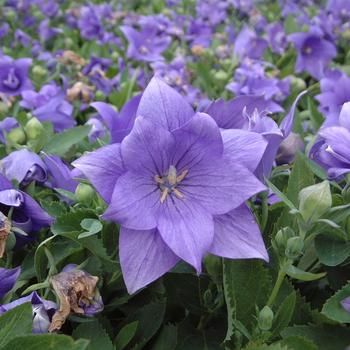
[77,292]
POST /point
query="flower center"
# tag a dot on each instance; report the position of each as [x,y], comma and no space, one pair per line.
[307,50]
[143,50]
[167,183]
[11,80]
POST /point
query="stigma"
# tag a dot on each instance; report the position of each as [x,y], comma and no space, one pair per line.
[168,183]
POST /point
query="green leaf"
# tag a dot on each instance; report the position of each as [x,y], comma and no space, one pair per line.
[65,193]
[15,323]
[125,335]
[300,177]
[45,342]
[92,226]
[246,285]
[331,251]
[96,334]
[301,275]
[277,346]
[326,337]
[53,208]
[150,318]
[285,313]
[298,343]
[62,142]
[316,117]
[333,309]
[280,195]
[70,222]
[167,338]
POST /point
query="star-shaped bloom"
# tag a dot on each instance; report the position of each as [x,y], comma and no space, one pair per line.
[14,75]
[177,185]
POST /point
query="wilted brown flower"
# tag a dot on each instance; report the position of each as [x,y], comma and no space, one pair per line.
[197,50]
[5,228]
[69,56]
[77,293]
[80,91]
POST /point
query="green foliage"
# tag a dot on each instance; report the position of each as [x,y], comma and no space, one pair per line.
[96,335]
[333,308]
[46,342]
[60,143]
[15,323]
[247,285]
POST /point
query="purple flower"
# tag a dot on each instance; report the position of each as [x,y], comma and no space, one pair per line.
[288,148]
[46,32]
[14,75]
[251,113]
[250,79]
[27,214]
[339,8]
[24,166]
[331,150]
[314,52]
[199,33]
[6,125]
[335,91]
[248,44]
[43,311]
[8,278]
[97,130]
[177,186]
[59,174]
[49,105]
[23,37]
[4,30]
[90,21]
[145,45]
[119,124]
[277,37]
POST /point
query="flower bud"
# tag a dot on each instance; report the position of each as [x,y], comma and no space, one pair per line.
[314,201]
[3,108]
[39,72]
[84,193]
[34,129]
[17,136]
[99,95]
[298,84]
[221,75]
[288,149]
[346,34]
[282,237]
[294,247]
[265,318]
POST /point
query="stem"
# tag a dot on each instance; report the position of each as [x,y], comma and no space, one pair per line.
[277,286]
[265,211]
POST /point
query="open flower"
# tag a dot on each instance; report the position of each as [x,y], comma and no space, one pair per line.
[27,215]
[251,113]
[43,311]
[24,166]
[145,45]
[314,52]
[77,292]
[49,105]
[177,186]
[331,150]
[14,75]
